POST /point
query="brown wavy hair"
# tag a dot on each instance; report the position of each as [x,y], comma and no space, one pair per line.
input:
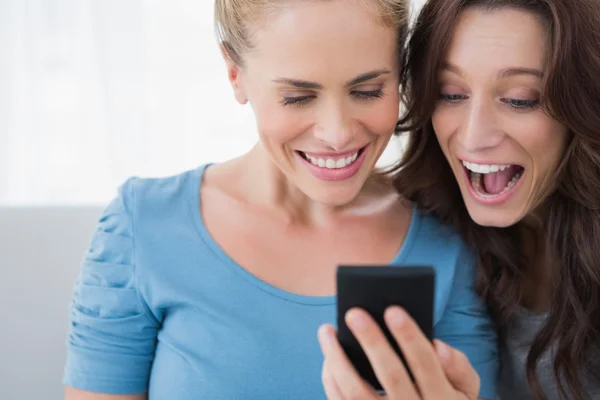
[568,234]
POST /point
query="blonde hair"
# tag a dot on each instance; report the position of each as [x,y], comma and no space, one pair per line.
[233,17]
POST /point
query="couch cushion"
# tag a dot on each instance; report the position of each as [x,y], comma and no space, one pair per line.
[40,252]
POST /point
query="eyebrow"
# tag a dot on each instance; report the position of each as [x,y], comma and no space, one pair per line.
[508,72]
[313,85]
[505,73]
[451,68]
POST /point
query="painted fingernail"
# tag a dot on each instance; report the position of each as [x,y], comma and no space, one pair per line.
[356,320]
[396,317]
[443,349]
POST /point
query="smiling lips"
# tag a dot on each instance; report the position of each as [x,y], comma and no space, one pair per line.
[328,162]
[333,167]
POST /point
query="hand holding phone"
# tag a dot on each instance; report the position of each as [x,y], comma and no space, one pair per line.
[374,289]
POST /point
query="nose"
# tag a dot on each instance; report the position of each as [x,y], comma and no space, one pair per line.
[481,130]
[334,127]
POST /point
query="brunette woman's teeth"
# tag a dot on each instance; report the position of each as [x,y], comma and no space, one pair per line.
[332,162]
[484,168]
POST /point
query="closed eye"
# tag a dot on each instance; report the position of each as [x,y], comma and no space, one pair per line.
[520,104]
[452,98]
[368,95]
[297,101]
[359,95]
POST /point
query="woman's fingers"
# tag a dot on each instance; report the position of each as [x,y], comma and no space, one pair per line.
[385,362]
[332,390]
[339,368]
[440,371]
[420,355]
[458,370]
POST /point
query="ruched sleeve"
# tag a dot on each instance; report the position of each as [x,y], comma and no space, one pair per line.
[112,337]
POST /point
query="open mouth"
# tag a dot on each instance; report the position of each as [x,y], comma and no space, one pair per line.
[333,162]
[491,181]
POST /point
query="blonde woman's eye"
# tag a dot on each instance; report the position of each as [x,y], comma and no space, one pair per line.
[368,94]
[297,100]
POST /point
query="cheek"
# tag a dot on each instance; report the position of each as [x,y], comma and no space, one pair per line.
[381,118]
[276,123]
[545,141]
[443,125]
[553,145]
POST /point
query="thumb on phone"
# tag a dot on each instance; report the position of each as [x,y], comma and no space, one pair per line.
[461,375]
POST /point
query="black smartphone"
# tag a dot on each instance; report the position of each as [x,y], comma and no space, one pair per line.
[374,289]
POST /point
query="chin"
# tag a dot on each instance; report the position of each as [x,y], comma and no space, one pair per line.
[332,193]
[492,218]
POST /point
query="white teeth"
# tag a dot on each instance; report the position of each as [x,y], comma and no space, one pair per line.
[332,163]
[484,168]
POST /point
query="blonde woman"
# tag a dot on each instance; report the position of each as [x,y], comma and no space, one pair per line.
[213,284]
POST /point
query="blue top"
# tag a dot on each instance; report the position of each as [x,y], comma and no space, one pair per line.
[159,307]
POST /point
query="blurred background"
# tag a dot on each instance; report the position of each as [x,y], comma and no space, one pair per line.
[92,92]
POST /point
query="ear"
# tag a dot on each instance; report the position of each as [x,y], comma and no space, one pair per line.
[234,74]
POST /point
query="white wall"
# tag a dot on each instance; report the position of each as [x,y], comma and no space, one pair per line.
[96,91]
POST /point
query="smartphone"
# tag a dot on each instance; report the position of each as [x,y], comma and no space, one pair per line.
[374,289]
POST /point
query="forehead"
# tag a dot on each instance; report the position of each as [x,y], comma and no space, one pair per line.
[310,37]
[497,39]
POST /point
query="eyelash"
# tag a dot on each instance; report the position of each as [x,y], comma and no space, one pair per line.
[515,104]
[520,104]
[451,98]
[302,100]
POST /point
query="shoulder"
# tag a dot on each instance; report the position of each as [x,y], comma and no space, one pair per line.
[140,193]
[438,238]
[148,211]
[141,204]
[456,259]
[144,202]
[440,246]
